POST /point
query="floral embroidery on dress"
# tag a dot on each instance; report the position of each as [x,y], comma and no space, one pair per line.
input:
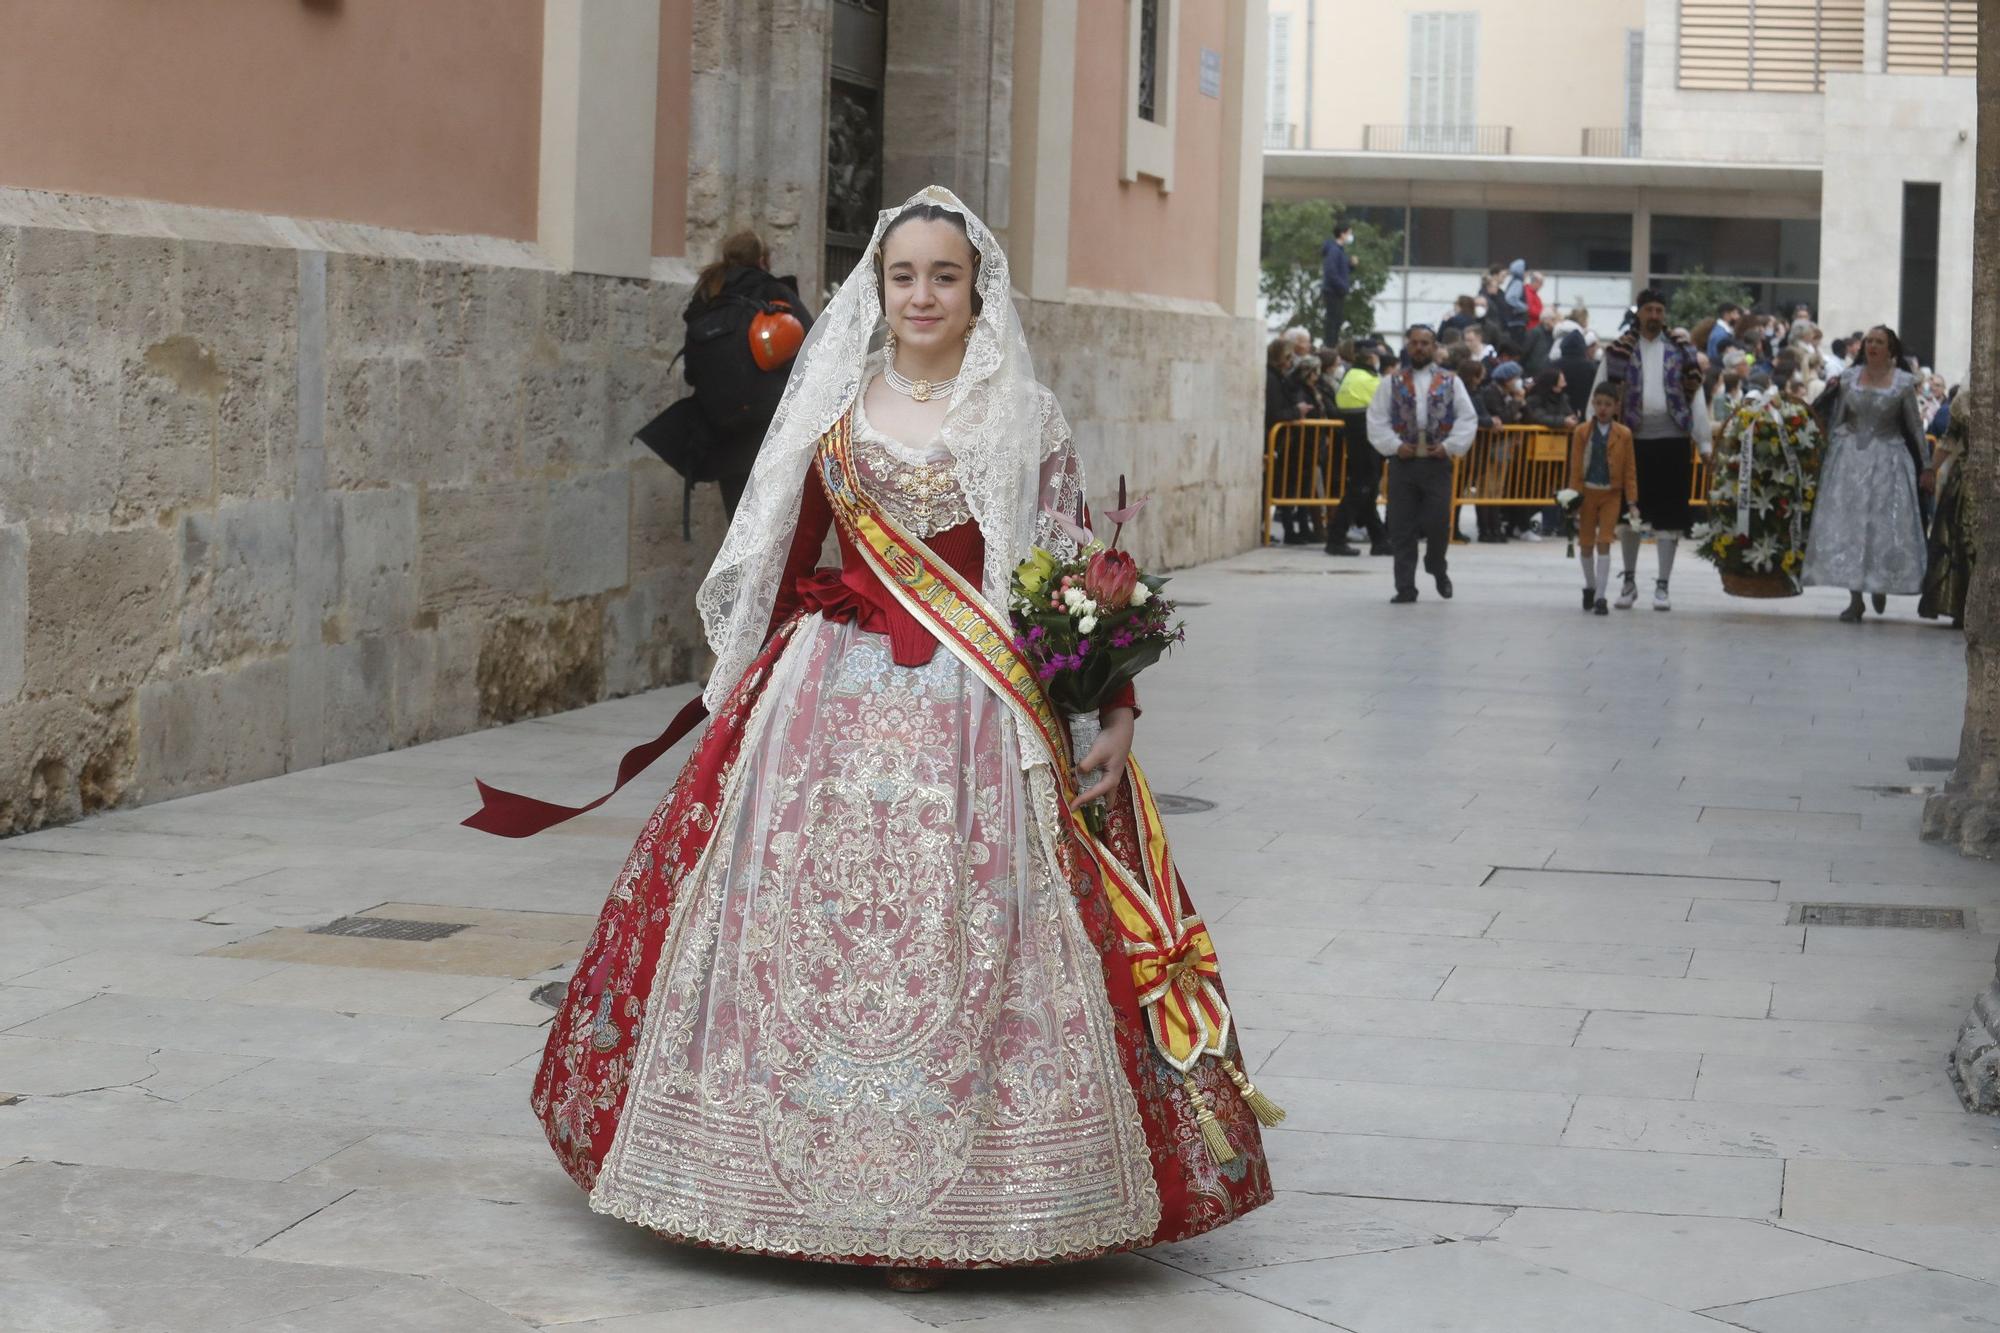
[921,493]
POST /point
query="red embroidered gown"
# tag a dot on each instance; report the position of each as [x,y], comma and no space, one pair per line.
[851,997]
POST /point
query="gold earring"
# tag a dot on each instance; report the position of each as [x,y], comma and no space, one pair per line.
[969,329]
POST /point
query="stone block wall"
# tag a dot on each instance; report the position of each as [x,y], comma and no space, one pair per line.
[1172,396]
[263,508]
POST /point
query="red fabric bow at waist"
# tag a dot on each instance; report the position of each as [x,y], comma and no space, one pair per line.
[826,592]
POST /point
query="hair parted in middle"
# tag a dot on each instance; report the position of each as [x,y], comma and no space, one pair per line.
[928,213]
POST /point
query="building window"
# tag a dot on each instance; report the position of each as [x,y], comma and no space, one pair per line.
[1149,61]
[1635,88]
[1916,315]
[1444,58]
[1768,46]
[1278,83]
[1933,36]
[1152,33]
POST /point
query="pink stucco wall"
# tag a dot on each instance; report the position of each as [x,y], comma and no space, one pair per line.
[1128,236]
[419,114]
[670,130]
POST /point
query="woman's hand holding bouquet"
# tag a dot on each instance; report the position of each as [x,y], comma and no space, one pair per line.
[1087,627]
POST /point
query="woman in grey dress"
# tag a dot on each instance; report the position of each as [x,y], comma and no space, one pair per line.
[1867,530]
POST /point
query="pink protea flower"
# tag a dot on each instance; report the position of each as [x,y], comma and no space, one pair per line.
[1110,579]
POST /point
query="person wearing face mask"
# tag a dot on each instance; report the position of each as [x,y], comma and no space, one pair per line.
[1664,408]
[1466,312]
[1420,419]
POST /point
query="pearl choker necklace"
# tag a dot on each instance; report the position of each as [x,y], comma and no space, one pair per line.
[920,390]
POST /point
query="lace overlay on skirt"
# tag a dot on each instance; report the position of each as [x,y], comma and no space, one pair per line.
[878,1026]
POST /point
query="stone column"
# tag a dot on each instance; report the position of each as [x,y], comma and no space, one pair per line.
[948,104]
[1966,813]
[757,131]
[1642,243]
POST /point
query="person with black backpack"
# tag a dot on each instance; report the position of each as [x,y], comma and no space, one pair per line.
[744,328]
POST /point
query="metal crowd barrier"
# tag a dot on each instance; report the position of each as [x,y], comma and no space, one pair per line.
[1517,466]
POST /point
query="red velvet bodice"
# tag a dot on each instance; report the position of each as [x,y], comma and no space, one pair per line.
[852,592]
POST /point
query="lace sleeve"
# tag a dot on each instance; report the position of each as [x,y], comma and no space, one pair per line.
[1062,488]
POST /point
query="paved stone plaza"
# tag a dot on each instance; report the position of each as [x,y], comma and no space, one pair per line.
[1502,893]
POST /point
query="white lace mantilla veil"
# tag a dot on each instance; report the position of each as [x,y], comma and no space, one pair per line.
[1007,439]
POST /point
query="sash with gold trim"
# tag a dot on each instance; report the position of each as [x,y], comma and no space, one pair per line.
[1173,960]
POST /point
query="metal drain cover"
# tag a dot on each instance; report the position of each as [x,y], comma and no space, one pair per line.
[1182,805]
[549,993]
[1900,789]
[389,928]
[1877,914]
[1933,763]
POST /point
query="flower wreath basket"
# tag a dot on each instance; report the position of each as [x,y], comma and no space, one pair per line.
[1760,499]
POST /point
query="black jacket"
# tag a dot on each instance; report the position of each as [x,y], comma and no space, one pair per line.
[1280,404]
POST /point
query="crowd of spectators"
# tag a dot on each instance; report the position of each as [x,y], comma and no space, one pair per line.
[1526,361]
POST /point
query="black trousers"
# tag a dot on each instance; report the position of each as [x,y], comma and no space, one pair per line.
[1336,308]
[1419,508]
[1361,481]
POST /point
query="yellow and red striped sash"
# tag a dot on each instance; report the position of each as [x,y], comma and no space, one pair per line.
[1173,962]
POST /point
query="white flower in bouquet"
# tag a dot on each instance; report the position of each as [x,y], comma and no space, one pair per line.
[1141,594]
[1073,597]
[1761,553]
[1087,624]
[1565,497]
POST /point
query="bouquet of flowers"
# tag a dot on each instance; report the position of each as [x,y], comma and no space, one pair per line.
[1088,626]
[1761,497]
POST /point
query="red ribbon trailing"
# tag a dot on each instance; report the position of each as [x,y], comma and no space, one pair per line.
[512,815]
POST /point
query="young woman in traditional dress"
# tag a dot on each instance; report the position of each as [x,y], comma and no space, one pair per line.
[867,989]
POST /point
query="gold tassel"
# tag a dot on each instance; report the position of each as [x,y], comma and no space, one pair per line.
[1267,1111]
[1211,1129]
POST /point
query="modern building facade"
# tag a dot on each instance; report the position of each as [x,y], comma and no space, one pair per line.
[1815,151]
[325,325]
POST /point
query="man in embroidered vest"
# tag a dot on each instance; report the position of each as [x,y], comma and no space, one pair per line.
[1421,418]
[1664,407]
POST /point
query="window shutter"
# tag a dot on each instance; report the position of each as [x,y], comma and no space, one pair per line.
[1635,87]
[1278,84]
[1443,97]
[1933,36]
[1778,46]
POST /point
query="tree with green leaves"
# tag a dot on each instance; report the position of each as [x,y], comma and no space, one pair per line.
[1699,295]
[1290,281]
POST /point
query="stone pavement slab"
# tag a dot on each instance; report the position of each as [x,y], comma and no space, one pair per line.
[1457,1287]
[1690,1263]
[1916,1302]
[1502,895]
